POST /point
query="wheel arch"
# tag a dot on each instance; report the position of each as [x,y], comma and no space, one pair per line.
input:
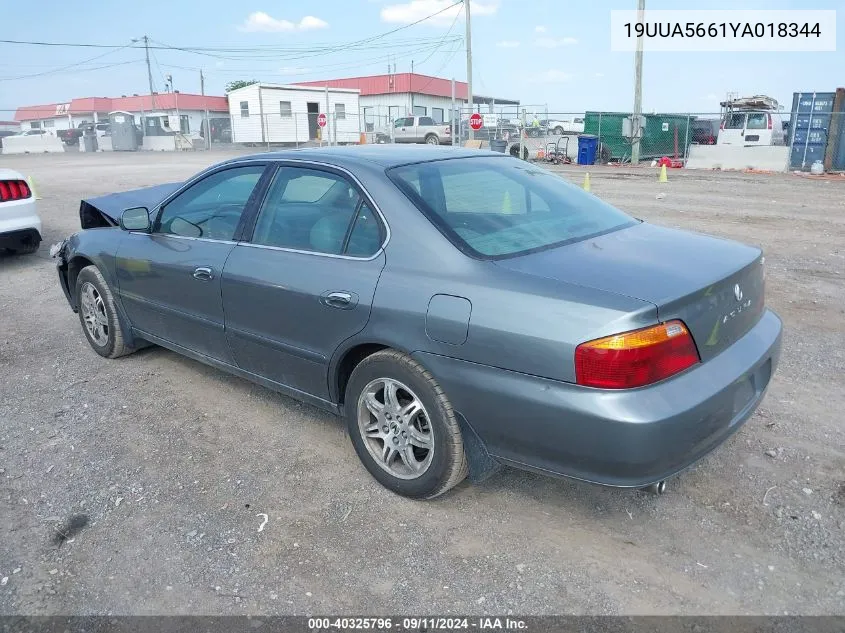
[75,264]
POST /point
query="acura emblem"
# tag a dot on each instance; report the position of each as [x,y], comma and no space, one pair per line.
[738,292]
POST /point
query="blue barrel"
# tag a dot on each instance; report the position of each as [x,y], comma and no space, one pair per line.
[588,146]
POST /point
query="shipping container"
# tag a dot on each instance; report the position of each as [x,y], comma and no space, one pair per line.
[658,136]
[810,127]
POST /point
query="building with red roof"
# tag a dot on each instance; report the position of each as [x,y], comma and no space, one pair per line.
[59,116]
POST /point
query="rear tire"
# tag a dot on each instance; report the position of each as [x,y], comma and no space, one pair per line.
[403,427]
[558,130]
[432,139]
[98,314]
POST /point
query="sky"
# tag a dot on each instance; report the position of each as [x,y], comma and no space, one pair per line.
[549,54]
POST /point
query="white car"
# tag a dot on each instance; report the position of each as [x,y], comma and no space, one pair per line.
[20,226]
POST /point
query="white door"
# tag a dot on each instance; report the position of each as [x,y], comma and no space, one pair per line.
[758,128]
[733,129]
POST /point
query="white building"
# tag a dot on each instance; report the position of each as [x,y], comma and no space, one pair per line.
[61,116]
[385,98]
[273,113]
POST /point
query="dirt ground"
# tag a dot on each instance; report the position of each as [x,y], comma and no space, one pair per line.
[172,465]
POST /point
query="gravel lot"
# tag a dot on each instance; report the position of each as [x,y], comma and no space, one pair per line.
[172,462]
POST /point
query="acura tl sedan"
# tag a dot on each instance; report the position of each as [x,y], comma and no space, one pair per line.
[461,309]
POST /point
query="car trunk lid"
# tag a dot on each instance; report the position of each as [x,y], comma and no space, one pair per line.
[715,286]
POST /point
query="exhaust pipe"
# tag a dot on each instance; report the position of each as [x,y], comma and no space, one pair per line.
[657,488]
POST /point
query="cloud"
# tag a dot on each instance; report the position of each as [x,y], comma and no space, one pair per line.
[419,9]
[711,97]
[220,64]
[598,75]
[552,76]
[507,44]
[539,29]
[551,42]
[260,21]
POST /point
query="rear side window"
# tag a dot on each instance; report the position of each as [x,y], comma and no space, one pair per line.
[317,211]
[757,121]
[735,121]
[498,207]
[426,120]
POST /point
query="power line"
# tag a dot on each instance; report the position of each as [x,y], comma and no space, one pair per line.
[64,68]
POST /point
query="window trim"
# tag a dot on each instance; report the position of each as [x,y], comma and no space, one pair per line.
[157,211]
[449,233]
[241,104]
[249,228]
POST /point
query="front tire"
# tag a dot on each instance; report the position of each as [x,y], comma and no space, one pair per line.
[403,427]
[27,249]
[98,314]
[558,130]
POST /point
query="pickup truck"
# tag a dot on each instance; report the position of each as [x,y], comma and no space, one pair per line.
[421,129]
[72,135]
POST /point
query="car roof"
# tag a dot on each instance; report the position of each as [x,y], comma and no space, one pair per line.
[385,155]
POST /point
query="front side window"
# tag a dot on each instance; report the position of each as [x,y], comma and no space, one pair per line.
[498,207]
[317,211]
[244,109]
[212,207]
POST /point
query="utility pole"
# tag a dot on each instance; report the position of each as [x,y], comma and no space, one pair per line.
[637,119]
[452,114]
[411,87]
[149,69]
[205,106]
[328,136]
[202,83]
[469,64]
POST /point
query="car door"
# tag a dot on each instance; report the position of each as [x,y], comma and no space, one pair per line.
[407,130]
[169,278]
[304,282]
[733,129]
[757,130]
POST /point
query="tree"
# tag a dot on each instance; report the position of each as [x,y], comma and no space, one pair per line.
[239,83]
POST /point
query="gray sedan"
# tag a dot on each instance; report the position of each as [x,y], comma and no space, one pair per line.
[461,309]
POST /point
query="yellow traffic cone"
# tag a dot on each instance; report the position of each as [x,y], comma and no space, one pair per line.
[31,184]
[506,203]
[587,181]
[663,177]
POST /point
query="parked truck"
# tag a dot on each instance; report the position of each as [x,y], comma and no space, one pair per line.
[421,129]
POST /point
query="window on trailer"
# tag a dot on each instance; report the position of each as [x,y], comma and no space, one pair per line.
[285,110]
[244,109]
[420,111]
[35,125]
[437,115]
[340,110]
[49,123]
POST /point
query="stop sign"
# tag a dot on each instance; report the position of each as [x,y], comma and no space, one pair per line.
[475,121]
[321,119]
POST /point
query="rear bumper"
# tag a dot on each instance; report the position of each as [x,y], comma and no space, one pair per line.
[627,438]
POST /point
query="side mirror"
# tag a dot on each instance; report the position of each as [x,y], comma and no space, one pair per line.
[135,219]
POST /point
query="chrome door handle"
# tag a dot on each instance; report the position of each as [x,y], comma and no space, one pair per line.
[203,273]
[342,300]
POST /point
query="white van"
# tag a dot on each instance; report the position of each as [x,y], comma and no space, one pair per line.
[752,127]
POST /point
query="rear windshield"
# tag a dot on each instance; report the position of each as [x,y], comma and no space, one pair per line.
[493,207]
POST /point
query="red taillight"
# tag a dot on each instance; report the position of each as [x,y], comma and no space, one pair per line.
[769,121]
[634,359]
[14,190]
